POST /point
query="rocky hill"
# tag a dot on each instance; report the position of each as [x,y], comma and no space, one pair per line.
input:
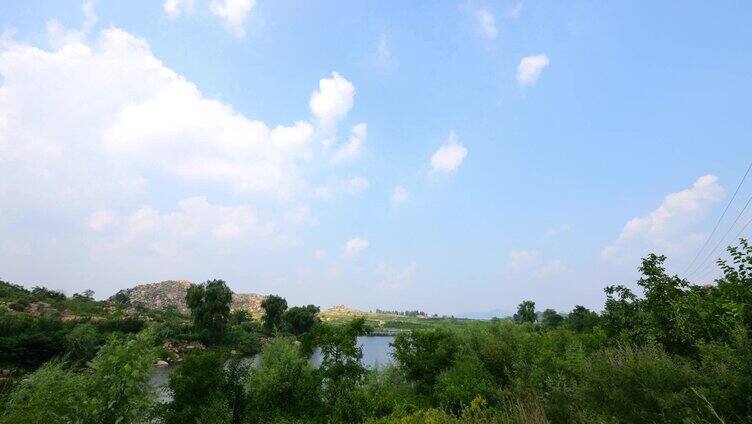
[341,311]
[171,293]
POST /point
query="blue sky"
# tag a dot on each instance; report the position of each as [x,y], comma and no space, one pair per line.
[449,156]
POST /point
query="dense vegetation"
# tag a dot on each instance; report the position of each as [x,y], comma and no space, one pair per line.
[674,353]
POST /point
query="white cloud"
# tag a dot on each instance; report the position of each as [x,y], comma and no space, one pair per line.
[530,68]
[531,262]
[450,156]
[101,220]
[176,7]
[332,101]
[194,217]
[395,278]
[486,24]
[515,11]
[116,108]
[356,246]
[667,229]
[383,59]
[234,13]
[351,150]
[400,196]
[352,186]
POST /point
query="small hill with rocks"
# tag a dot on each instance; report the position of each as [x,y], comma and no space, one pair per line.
[171,294]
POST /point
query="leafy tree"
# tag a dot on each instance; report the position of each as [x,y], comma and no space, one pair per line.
[274,309]
[284,384]
[121,298]
[120,386]
[662,293]
[525,312]
[82,342]
[581,319]
[342,369]
[465,380]
[552,319]
[621,316]
[210,307]
[51,394]
[301,319]
[196,387]
[424,354]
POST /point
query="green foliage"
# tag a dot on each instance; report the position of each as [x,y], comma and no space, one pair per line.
[301,319]
[82,343]
[551,319]
[51,394]
[525,312]
[28,340]
[120,385]
[342,370]
[466,379]
[284,384]
[210,308]
[424,354]
[195,387]
[274,309]
[581,319]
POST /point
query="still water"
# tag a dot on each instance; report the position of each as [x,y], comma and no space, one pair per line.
[377,351]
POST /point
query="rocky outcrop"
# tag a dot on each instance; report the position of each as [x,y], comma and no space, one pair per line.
[340,311]
[171,294]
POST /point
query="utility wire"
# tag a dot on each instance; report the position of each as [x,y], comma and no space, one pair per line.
[719,220]
[739,233]
[712,252]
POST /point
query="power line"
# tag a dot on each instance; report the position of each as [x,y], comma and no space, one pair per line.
[719,220]
[702,264]
[736,237]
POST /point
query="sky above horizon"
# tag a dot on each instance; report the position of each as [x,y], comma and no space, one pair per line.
[451,156]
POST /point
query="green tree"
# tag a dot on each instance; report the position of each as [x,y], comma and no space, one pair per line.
[621,316]
[301,319]
[82,343]
[274,309]
[210,307]
[581,319]
[662,293]
[465,380]
[284,384]
[424,354]
[196,389]
[51,394]
[551,318]
[342,369]
[525,312]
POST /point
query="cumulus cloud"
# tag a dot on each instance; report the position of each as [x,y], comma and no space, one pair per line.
[530,68]
[356,246]
[233,13]
[400,196]
[352,186]
[396,278]
[332,101]
[351,150]
[530,262]
[119,111]
[667,229]
[101,220]
[486,24]
[176,7]
[449,157]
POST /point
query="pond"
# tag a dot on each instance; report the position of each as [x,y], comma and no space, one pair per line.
[377,351]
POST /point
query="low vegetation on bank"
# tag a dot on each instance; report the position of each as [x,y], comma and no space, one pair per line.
[675,353]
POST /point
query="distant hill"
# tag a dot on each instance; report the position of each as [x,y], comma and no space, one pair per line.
[341,311]
[172,293]
[495,313]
